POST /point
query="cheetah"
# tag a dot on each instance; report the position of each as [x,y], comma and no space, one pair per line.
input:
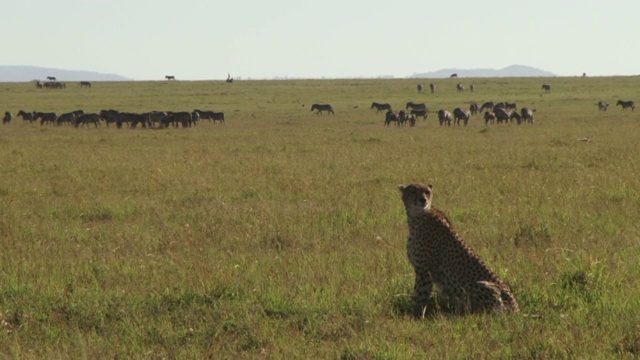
[438,255]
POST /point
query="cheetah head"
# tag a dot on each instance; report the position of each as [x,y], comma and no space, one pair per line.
[416,197]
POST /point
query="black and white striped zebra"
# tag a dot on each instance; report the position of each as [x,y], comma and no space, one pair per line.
[546,87]
[7,118]
[626,104]
[380,107]
[87,119]
[461,114]
[602,106]
[319,108]
[416,106]
[26,116]
[444,116]
[527,115]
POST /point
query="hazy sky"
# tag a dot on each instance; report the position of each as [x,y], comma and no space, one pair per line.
[197,39]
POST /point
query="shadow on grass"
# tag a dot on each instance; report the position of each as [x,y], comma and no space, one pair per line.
[401,306]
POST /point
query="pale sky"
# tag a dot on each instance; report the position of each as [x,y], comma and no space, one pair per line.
[259,39]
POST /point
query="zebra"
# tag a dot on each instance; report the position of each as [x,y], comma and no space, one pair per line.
[515,116]
[229,78]
[471,87]
[69,118]
[510,106]
[404,117]
[219,116]
[389,117]
[420,89]
[489,117]
[432,87]
[502,114]
[26,116]
[46,117]
[155,117]
[488,105]
[546,87]
[474,108]
[7,118]
[423,113]
[460,87]
[322,107]
[85,84]
[51,78]
[602,106]
[380,107]
[110,116]
[39,84]
[454,75]
[444,116]
[527,114]
[460,114]
[183,118]
[87,119]
[416,106]
[626,104]
[169,77]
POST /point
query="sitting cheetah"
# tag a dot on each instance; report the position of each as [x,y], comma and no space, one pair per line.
[439,255]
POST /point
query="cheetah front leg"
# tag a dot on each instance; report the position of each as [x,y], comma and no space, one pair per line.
[422,292]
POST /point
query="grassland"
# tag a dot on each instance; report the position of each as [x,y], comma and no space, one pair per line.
[282,235]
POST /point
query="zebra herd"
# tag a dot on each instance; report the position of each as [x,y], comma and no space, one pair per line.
[153,119]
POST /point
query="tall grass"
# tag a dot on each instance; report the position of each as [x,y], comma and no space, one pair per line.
[281,234]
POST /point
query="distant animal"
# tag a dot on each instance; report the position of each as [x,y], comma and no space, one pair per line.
[46,118]
[487,106]
[444,117]
[380,107]
[87,119]
[454,75]
[489,117]
[546,87]
[403,117]
[474,108]
[389,117]
[39,85]
[420,89]
[416,106]
[85,84]
[423,113]
[7,118]
[26,116]
[602,106]
[626,104]
[527,115]
[460,114]
[502,115]
[319,108]
[512,106]
[51,78]
[432,87]
[439,255]
[169,77]
[471,87]
[460,87]
[515,116]
[229,78]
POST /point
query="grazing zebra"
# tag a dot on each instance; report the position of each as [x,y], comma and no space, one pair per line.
[432,87]
[219,116]
[488,105]
[460,87]
[460,114]
[527,115]
[423,113]
[502,114]
[380,107]
[85,84]
[46,118]
[444,117]
[322,107]
[389,117]
[51,78]
[26,116]
[546,87]
[474,108]
[420,89]
[7,118]
[602,106]
[515,116]
[416,106]
[87,119]
[169,77]
[489,117]
[471,87]
[454,75]
[513,106]
[626,104]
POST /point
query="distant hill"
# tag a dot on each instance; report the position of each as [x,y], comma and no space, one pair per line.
[509,71]
[11,73]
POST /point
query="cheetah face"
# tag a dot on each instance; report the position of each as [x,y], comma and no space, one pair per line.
[416,198]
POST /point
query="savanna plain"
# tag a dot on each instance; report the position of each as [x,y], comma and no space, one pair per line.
[281,234]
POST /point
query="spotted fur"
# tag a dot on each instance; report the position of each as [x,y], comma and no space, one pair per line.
[440,256]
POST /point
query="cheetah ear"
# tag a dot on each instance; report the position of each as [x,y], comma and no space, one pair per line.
[430,186]
[401,188]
